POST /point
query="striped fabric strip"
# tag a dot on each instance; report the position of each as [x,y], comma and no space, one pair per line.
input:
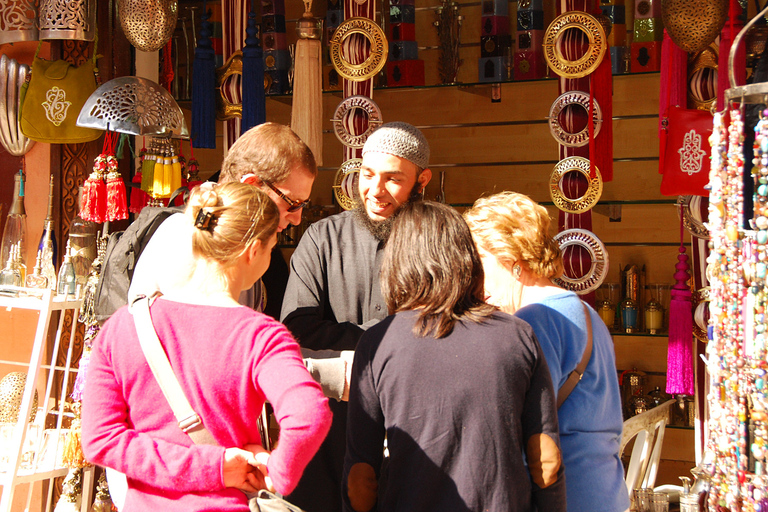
[355,50]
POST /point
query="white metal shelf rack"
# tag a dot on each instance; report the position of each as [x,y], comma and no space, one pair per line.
[51,468]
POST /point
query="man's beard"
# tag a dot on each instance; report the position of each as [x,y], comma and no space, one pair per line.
[380,229]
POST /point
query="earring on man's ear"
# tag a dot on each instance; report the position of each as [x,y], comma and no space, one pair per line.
[516,271]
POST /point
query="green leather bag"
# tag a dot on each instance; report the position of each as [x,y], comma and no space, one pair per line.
[55,94]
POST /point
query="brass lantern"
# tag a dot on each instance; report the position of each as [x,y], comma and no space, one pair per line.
[67,19]
[18,21]
[694,24]
[148,24]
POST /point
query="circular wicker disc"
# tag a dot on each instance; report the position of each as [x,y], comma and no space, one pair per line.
[345,181]
[590,197]
[573,140]
[591,59]
[363,103]
[597,253]
[378,55]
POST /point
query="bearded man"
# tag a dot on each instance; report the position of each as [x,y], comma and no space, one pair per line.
[333,293]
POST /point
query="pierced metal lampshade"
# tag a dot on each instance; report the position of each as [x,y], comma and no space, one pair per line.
[67,19]
[148,24]
[133,105]
[12,77]
[18,21]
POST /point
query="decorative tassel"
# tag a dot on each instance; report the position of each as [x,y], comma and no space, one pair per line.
[680,349]
[307,111]
[139,198]
[72,455]
[254,99]
[71,492]
[157,182]
[674,62]
[193,178]
[117,201]
[204,88]
[148,171]
[93,205]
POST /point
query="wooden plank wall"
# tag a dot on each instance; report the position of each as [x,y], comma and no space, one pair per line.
[518,153]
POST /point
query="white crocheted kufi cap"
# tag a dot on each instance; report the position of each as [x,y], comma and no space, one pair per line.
[400,139]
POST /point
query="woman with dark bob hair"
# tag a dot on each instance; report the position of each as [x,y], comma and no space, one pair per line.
[460,391]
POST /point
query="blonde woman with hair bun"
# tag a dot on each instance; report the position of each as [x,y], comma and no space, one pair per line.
[520,259]
[228,359]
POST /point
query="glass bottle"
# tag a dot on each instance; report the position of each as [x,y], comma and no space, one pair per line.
[47,265]
[82,241]
[36,279]
[629,313]
[67,281]
[49,252]
[10,275]
[19,264]
[15,232]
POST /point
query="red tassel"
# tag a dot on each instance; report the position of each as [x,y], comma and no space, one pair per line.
[139,198]
[94,203]
[117,202]
[680,349]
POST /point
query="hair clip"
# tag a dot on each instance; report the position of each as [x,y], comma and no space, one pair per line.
[205,220]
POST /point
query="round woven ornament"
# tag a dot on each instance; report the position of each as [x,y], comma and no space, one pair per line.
[377,57]
[590,197]
[598,256]
[553,44]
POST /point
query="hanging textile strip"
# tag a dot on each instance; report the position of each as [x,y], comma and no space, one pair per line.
[234,16]
[576,260]
[354,51]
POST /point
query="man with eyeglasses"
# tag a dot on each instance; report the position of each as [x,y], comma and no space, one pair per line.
[333,292]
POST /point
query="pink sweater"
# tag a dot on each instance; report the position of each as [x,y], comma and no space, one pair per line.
[227,360]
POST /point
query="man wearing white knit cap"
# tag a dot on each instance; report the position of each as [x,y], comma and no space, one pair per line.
[333,292]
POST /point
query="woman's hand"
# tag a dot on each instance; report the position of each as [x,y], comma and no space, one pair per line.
[246,469]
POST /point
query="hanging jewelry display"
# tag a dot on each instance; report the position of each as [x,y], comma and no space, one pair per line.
[341,118]
[736,353]
[12,77]
[598,268]
[345,183]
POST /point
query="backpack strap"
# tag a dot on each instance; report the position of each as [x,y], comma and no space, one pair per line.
[575,376]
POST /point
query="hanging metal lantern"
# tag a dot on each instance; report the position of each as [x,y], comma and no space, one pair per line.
[12,77]
[693,24]
[67,19]
[18,21]
[148,24]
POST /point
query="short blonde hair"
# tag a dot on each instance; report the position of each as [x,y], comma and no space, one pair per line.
[513,227]
[237,215]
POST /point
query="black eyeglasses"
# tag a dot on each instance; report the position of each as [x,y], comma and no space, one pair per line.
[293,206]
